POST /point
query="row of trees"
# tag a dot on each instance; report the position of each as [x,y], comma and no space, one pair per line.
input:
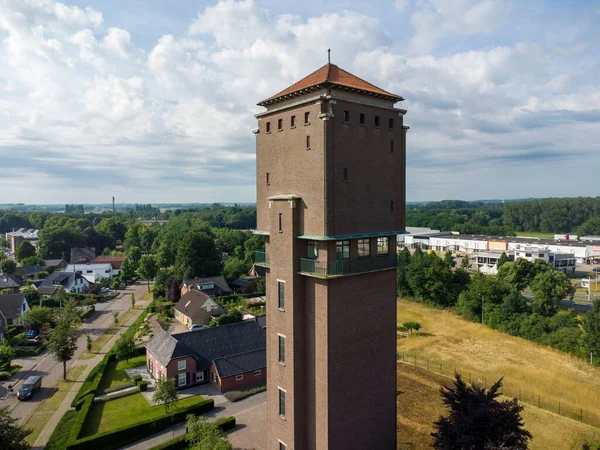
[499,301]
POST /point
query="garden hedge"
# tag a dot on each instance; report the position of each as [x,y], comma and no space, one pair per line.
[143,385]
[90,385]
[88,312]
[80,419]
[180,443]
[112,440]
[136,379]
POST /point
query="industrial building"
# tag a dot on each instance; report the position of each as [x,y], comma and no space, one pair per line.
[14,238]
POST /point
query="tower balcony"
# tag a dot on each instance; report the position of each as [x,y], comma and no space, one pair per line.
[345,267]
[261,258]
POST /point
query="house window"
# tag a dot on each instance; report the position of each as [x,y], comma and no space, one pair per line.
[361,118]
[293,121]
[257,373]
[382,246]
[268,128]
[268,180]
[391,206]
[346,116]
[306,118]
[281,349]
[364,248]
[391,146]
[181,365]
[282,446]
[342,249]
[280,223]
[345,174]
[280,124]
[214,377]
[239,377]
[150,368]
[107,271]
[376,121]
[199,376]
[182,379]
[281,294]
[307,142]
[313,250]
[281,402]
[391,123]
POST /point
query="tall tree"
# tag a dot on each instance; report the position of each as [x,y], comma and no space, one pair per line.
[8,266]
[503,259]
[549,287]
[62,343]
[125,348]
[134,254]
[478,421]
[591,331]
[24,250]
[12,435]
[202,435]
[172,290]
[197,256]
[402,283]
[127,271]
[6,355]
[38,316]
[165,393]
[147,268]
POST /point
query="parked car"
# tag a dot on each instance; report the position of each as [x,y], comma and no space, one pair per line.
[596,269]
[29,386]
[31,334]
[195,327]
[104,290]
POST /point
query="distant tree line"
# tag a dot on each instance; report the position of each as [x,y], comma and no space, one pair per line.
[499,302]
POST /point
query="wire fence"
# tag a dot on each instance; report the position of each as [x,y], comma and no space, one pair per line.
[508,389]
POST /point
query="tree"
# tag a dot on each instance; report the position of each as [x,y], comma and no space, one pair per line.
[591,331]
[232,316]
[116,317]
[38,316]
[69,313]
[477,420]
[24,250]
[197,256]
[62,343]
[172,290]
[402,283]
[147,268]
[127,271]
[165,392]
[7,353]
[134,254]
[8,266]
[112,227]
[88,343]
[202,435]
[590,227]
[549,287]
[503,259]
[482,291]
[125,348]
[31,293]
[234,267]
[518,274]
[57,241]
[465,263]
[12,435]
[132,300]
[410,326]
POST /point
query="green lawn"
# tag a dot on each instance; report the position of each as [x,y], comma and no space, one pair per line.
[127,411]
[115,372]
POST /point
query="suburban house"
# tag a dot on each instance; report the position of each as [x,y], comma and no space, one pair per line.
[55,264]
[229,357]
[9,282]
[196,307]
[209,285]
[69,281]
[115,261]
[92,272]
[30,271]
[12,307]
[82,255]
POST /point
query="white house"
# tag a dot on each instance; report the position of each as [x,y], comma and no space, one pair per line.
[69,281]
[93,272]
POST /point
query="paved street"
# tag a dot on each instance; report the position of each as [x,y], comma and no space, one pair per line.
[44,364]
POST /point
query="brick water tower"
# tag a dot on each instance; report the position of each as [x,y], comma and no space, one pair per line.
[331,194]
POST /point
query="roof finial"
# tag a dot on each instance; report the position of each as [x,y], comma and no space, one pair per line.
[328,56]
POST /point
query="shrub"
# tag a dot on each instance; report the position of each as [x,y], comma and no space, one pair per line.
[137,378]
[181,443]
[227,423]
[88,312]
[119,387]
[14,331]
[236,396]
[143,385]
[122,436]
[115,395]
[5,375]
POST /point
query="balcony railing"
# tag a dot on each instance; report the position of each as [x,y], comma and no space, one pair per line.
[261,258]
[341,267]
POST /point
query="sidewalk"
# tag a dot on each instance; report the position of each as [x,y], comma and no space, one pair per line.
[219,412]
[42,439]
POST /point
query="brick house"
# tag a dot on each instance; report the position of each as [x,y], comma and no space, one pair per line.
[229,357]
[196,307]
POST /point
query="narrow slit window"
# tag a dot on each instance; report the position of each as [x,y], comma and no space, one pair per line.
[376,122]
[268,127]
[281,349]
[361,118]
[346,116]
[281,402]
[391,146]
[345,175]
[280,295]
[392,207]
[391,123]
[280,222]
[268,180]
[306,118]
[280,124]
[293,121]
[307,142]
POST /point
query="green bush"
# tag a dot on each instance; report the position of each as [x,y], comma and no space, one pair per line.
[236,396]
[112,440]
[29,351]
[118,387]
[143,385]
[88,312]
[181,443]
[136,379]
[5,375]
[227,423]
[80,419]
[14,331]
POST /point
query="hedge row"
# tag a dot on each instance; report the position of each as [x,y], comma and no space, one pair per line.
[20,352]
[180,443]
[88,312]
[112,440]
[90,385]
[80,419]
[118,387]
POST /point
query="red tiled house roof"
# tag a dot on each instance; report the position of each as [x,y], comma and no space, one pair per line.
[330,75]
[115,261]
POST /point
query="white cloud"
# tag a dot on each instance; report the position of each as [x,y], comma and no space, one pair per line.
[401,5]
[117,41]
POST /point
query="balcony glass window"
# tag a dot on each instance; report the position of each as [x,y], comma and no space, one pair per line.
[342,249]
[313,250]
[382,246]
[364,247]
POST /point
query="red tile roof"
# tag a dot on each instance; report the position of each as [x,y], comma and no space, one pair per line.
[115,261]
[331,75]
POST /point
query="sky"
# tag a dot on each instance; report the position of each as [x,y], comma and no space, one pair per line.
[154,100]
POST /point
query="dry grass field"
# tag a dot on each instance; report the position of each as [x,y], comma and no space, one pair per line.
[531,372]
[419,405]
